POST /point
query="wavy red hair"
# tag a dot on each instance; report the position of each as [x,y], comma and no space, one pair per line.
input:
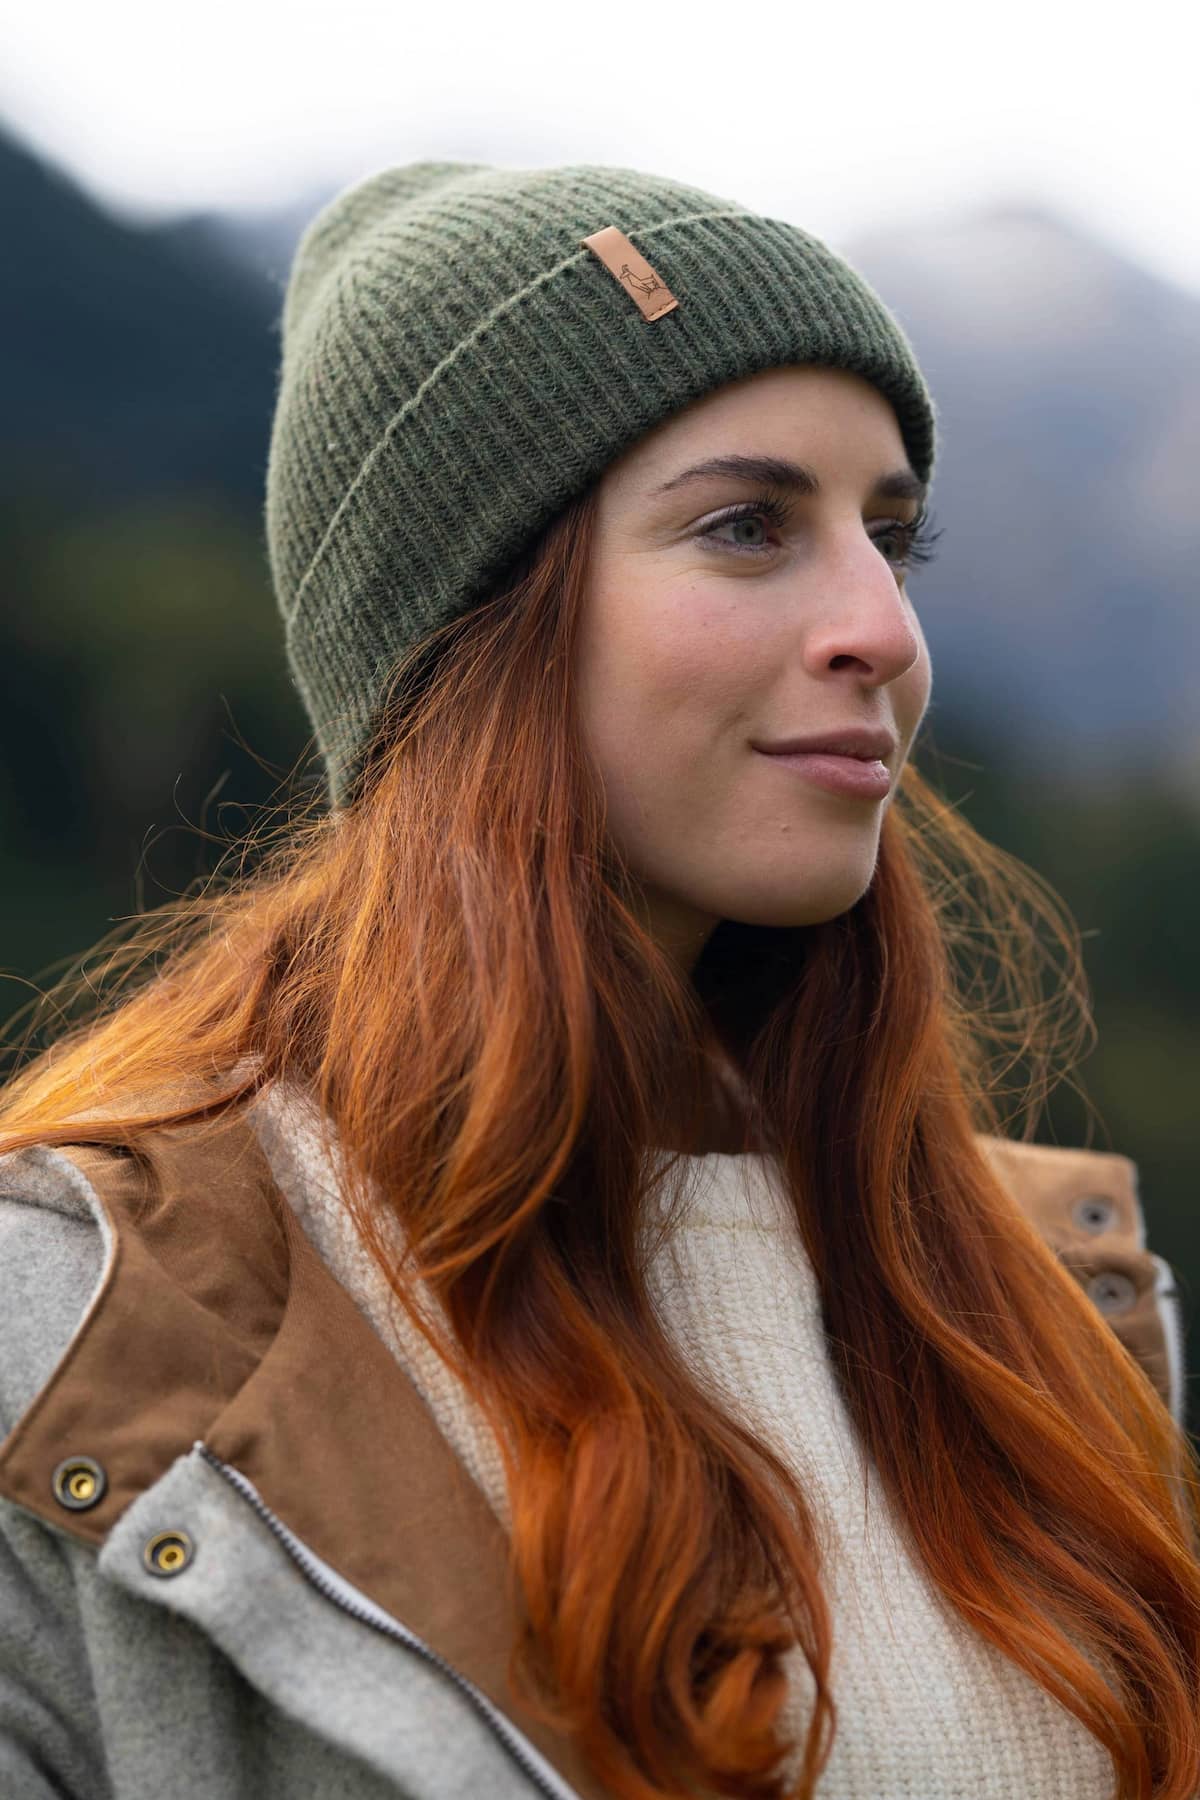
[454,969]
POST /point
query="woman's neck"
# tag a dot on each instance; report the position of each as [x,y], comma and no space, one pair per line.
[723,1130]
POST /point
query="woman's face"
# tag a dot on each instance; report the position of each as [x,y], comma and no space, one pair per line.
[700,639]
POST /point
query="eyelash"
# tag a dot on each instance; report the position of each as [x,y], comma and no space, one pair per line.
[919,540]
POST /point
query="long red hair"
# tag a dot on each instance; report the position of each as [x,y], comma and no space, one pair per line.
[454,969]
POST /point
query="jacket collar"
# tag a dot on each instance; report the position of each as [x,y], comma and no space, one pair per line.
[217,1321]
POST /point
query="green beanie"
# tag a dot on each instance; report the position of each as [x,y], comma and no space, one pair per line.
[458,364]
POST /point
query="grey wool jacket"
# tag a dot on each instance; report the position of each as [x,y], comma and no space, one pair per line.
[219,1578]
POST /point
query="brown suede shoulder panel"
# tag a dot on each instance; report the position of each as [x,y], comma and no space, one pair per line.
[1085,1204]
[217,1321]
[192,1297]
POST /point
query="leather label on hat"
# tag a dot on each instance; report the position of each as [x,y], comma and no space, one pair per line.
[630,268]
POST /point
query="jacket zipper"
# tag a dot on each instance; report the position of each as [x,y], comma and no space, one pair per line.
[331,1586]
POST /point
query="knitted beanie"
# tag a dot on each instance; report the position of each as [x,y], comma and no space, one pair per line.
[466,348]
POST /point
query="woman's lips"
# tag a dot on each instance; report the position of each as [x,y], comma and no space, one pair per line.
[839,774]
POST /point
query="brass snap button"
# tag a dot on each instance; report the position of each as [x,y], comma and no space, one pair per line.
[1094,1213]
[79,1482]
[167,1552]
[1112,1291]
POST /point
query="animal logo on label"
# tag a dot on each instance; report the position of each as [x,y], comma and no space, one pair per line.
[645,284]
[645,288]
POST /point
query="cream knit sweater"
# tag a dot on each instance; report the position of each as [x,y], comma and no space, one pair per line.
[928,1710]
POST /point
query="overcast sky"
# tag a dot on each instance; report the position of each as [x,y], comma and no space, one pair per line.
[839,117]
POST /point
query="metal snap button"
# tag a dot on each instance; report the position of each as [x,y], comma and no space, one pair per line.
[79,1482]
[1094,1213]
[1111,1291]
[167,1552]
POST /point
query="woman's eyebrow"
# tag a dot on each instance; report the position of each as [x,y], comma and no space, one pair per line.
[779,471]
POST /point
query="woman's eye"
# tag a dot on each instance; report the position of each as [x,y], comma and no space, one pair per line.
[748,534]
[747,530]
[903,536]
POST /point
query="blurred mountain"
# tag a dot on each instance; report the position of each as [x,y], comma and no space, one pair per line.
[1067,383]
[134,362]
[1061,611]
[263,241]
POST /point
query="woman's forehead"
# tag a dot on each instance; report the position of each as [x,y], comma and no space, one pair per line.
[815,419]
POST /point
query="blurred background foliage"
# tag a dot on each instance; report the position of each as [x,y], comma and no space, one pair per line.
[145,706]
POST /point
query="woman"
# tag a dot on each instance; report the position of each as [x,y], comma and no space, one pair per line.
[532,1295]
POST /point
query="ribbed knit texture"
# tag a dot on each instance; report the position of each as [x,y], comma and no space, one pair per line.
[456,367]
[929,1710]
